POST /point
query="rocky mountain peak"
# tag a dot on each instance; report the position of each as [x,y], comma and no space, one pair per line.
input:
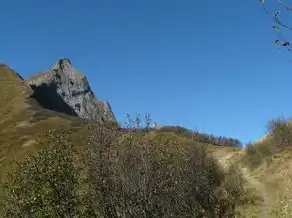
[64,68]
[65,83]
[62,63]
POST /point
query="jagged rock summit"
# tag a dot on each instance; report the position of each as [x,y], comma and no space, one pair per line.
[66,90]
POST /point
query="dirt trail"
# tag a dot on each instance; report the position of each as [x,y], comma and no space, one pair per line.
[227,159]
[266,203]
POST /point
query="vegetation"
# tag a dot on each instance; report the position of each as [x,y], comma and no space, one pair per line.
[270,162]
[279,136]
[202,137]
[45,184]
[132,171]
[23,121]
[122,174]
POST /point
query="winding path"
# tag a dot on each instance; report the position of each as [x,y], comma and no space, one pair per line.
[226,159]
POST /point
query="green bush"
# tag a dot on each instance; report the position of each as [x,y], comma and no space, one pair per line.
[45,184]
[155,175]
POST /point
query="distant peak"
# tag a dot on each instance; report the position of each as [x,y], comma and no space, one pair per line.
[63,63]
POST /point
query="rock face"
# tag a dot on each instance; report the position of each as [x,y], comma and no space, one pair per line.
[66,90]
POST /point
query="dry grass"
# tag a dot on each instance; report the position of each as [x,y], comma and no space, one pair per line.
[276,176]
[269,185]
[22,119]
[267,167]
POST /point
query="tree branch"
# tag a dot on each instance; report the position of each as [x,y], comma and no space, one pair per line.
[285,6]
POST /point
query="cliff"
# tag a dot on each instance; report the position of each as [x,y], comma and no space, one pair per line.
[66,90]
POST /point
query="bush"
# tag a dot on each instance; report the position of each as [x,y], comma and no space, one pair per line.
[155,175]
[279,135]
[256,154]
[137,124]
[281,131]
[232,193]
[45,184]
[181,131]
[124,174]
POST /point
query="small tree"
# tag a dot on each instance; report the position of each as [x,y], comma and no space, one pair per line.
[45,184]
[138,123]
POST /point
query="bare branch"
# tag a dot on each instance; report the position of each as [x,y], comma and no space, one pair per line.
[276,19]
[285,6]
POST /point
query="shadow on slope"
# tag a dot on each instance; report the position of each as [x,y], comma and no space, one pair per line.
[48,98]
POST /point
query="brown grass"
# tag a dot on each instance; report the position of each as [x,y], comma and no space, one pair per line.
[22,119]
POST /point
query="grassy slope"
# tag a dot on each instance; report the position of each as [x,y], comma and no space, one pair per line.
[270,183]
[22,120]
[275,177]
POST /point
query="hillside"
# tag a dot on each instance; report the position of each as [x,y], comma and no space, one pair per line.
[275,179]
[24,120]
[269,183]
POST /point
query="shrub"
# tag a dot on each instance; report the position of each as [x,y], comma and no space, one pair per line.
[154,175]
[45,184]
[137,124]
[279,135]
[180,131]
[201,137]
[232,193]
[281,131]
[124,174]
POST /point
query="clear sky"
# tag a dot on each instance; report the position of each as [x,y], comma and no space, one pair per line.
[205,64]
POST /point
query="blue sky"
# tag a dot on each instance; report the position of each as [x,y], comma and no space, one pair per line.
[206,64]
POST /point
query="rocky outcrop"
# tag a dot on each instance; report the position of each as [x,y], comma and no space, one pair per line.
[66,90]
